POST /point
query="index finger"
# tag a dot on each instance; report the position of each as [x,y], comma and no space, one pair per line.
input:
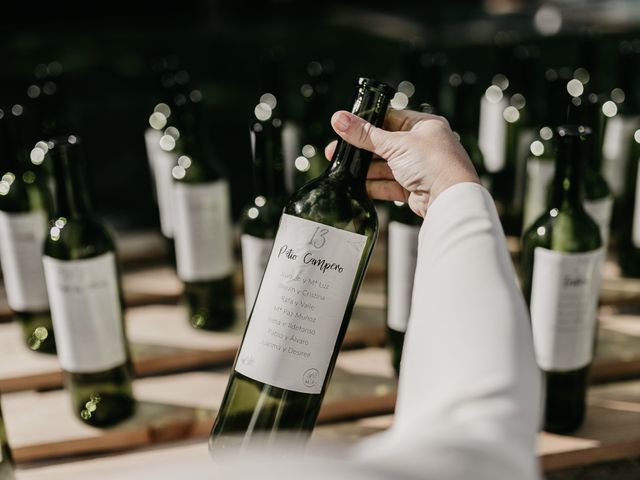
[404,120]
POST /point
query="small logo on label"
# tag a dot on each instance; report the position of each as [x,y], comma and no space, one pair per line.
[247,360]
[310,377]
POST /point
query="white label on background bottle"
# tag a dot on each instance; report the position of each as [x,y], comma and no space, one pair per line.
[539,176]
[255,256]
[290,149]
[86,312]
[403,252]
[161,163]
[204,242]
[564,299]
[525,137]
[615,148]
[601,210]
[635,234]
[301,304]
[492,132]
[22,238]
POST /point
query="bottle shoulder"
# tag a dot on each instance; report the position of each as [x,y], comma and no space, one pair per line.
[335,202]
[261,220]
[563,230]
[77,238]
[20,196]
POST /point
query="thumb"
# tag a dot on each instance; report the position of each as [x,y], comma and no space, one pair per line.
[360,133]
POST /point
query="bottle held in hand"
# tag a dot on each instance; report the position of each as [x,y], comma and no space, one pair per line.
[562,257]
[83,284]
[302,309]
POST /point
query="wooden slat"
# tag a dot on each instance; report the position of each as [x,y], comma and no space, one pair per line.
[163,341]
[41,425]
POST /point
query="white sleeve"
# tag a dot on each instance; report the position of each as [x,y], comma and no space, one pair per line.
[470,392]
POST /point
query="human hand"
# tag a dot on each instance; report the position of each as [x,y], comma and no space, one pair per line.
[416,156]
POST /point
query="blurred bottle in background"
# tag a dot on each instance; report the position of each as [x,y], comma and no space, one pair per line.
[259,220]
[202,209]
[311,161]
[83,284]
[464,121]
[622,124]
[6,459]
[25,209]
[629,214]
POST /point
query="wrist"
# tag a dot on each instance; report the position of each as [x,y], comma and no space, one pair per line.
[450,177]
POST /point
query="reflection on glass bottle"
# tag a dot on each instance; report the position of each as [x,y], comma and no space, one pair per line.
[306,297]
[6,459]
[540,169]
[83,284]
[259,220]
[25,209]
[402,252]
[561,259]
[202,214]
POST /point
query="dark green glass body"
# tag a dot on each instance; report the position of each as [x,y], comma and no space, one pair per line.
[210,302]
[565,227]
[6,459]
[27,192]
[99,398]
[260,218]
[337,198]
[628,250]
[395,339]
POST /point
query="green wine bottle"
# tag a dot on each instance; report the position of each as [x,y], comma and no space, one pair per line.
[302,310]
[540,170]
[259,220]
[315,92]
[621,125]
[6,459]
[86,302]
[402,253]
[561,260]
[465,119]
[586,110]
[203,232]
[629,214]
[25,209]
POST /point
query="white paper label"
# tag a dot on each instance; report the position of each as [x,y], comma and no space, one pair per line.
[86,313]
[255,256]
[161,163]
[615,148]
[492,133]
[301,305]
[203,234]
[403,252]
[564,299]
[525,137]
[635,237]
[22,238]
[291,150]
[539,176]
[601,210]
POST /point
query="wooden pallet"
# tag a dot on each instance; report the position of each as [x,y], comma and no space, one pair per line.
[610,434]
[41,425]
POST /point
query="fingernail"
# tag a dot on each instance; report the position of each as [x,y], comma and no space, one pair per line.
[342,122]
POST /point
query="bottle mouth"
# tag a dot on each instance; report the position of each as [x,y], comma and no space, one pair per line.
[573,131]
[64,142]
[376,85]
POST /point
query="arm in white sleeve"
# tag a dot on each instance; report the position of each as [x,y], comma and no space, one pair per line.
[469,393]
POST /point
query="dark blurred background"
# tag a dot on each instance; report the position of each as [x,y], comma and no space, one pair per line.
[104,54]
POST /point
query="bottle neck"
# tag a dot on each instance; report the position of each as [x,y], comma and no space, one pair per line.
[72,199]
[568,179]
[348,161]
